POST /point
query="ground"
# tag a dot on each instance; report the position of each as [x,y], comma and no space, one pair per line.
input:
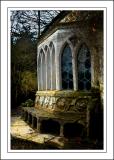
[24,137]
[22,133]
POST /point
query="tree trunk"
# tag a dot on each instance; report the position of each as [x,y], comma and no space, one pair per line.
[38,24]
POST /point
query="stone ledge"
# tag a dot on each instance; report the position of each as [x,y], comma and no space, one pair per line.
[65,93]
[66,117]
[65,101]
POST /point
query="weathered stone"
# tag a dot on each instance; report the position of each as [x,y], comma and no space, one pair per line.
[75,105]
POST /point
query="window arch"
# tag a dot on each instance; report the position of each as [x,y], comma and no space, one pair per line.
[84,68]
[66,68]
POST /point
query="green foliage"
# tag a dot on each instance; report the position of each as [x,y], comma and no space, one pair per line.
[24,53]
[28,103]
[28,82]
[23,69]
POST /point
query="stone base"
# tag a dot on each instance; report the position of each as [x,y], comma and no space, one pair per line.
[63,101]
[61,111]
[57,124]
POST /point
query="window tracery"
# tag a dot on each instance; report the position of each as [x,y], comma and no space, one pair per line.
[84,68]
[66,68]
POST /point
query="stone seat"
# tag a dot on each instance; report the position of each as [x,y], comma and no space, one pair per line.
[56,121]
[59,116]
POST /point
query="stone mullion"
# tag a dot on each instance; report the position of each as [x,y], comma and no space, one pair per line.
[51,69]
[76,49]
[46,73]
[74,69]
[92,52]
[41,74]
[58,68]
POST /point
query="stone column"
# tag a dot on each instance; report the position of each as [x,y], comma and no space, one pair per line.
[61,129]
[28,118]
[38,124]
[32,121]
[25,115]
[58,68]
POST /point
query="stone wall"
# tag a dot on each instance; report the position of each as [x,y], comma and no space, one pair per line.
[70,105]
[67,103]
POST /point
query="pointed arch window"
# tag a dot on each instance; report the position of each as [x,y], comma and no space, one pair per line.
[66,68]
[84,68]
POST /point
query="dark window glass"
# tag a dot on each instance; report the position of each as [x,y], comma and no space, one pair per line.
[66,68]
[84,68]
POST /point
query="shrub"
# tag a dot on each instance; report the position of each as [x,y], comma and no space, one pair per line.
[28,103]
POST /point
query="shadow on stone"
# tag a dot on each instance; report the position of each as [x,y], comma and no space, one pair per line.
[72,130]
[50,126]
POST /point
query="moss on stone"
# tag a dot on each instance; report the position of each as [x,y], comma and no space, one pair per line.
[65,93]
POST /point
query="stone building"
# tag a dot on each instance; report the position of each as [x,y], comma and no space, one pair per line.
[69,100]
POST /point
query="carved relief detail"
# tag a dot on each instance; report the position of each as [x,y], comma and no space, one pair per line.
[64,104]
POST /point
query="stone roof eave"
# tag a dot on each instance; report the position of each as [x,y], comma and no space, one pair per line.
[54,29]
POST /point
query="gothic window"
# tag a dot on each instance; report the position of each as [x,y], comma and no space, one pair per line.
[84,68]
[66,68]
